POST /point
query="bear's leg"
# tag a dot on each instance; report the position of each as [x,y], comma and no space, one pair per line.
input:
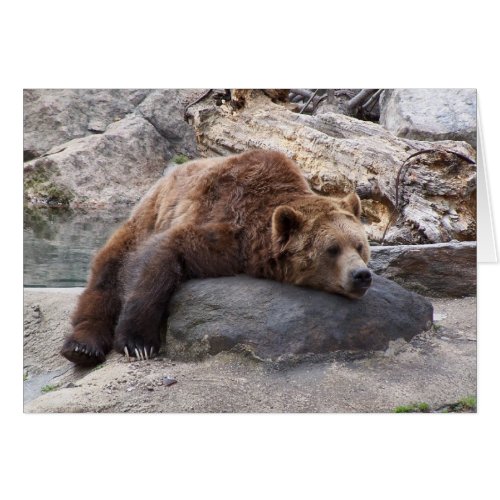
[99,305]
[168,259]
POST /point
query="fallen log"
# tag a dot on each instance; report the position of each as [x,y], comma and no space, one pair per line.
[436,199]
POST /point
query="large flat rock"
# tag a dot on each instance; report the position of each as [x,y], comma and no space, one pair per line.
[274,321]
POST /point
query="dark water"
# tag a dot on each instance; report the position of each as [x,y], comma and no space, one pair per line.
[59,244]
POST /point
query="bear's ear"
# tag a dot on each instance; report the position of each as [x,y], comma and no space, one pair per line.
[352,204]
[285,222]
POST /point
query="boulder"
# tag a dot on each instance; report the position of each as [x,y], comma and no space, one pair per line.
[439,270]
[279,322]
[430,114]
[110,169]
[55,116]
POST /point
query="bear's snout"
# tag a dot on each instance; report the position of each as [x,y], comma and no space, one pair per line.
[361,280]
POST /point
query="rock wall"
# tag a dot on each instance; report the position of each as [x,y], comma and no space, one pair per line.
[88,148]
[439,270]
[55,116]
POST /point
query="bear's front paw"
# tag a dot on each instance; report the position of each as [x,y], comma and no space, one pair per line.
[82,353]
[136,347]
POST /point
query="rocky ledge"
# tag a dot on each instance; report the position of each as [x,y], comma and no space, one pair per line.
[438,270]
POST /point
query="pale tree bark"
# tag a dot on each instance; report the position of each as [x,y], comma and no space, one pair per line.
[338,154]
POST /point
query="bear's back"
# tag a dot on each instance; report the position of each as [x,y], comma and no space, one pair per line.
[239,189]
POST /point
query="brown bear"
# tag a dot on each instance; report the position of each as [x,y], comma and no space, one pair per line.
[250,213]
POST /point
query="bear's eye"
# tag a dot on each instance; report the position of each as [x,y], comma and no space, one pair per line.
[359,248]
[333,251]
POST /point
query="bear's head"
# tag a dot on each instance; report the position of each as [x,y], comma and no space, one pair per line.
[320,242]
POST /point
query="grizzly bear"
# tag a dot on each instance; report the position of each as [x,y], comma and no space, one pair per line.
[250,213]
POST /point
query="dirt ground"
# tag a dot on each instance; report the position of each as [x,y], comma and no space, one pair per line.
[437,367]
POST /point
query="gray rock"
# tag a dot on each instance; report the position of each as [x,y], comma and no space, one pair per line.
[439,270]
[280,322]
[55,116]
[113,168]
[430,114]
[164,109]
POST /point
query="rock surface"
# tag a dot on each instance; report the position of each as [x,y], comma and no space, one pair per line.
[101,147]
[55,116]
[431,114]
[113,168]
[164,109]
[437,367]
[439,270]
[275,322]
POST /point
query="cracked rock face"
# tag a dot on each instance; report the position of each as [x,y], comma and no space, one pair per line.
[99,148]
[55,116]
[113,168]
[278,322]
[164,109]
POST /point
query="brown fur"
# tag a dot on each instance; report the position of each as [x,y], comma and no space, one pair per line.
[252,213]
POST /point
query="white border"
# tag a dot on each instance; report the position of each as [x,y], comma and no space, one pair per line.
[218,44]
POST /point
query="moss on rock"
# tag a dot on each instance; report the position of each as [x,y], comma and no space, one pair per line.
[41,188]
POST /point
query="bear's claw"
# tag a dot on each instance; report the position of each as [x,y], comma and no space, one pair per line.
[138,353]
[82,354]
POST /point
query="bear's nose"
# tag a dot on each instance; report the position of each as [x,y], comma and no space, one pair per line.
[362,278]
